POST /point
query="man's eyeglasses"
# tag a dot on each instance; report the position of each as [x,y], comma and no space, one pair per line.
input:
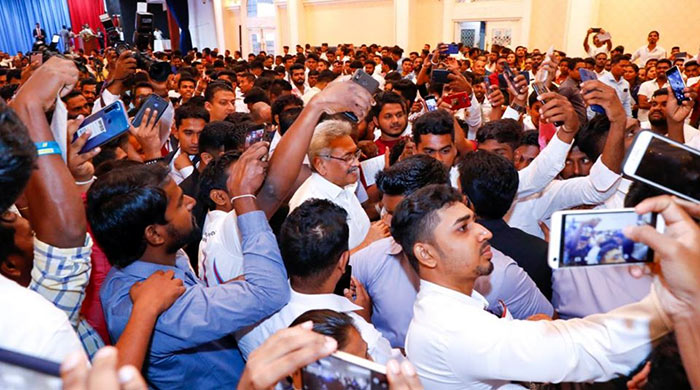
[348,158]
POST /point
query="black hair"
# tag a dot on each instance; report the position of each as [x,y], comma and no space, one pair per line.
[87,81]
[216,86]
[489,181]
[312,239]
[121,204]
[190,111]
[660,92]
[296,66]
[287,118]
[414,219]
[388,61]
[214,136]
[530,137]
[214,177]
[617,58]
[591,138]
[329,323]
[263,83]
[396,151]
[438,122]
[326,76]
[503,131]
[386,97]
[407,89]
[285,101]
[279,86]
[574,61]
[665,61]
[256,95]
[393,77]
[17,156]
[411,174]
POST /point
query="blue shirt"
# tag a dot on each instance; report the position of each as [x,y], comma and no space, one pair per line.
[193,346]
[393,285]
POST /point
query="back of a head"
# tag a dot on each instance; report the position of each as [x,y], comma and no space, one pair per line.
[411,174]
[490,182]
[256,95]
[436,122]
[214,135]
[414,219]
[313,238]
[121,204]
[329,323]
[285,101]
[287,118]
[407,89]
[326,76]
[214,177]
[504,131]
[17,156]
[591,138]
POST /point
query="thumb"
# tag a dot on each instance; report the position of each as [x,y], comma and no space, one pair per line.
[652,238]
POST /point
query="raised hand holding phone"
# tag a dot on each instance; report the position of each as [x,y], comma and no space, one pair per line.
[595,92]
[80,165]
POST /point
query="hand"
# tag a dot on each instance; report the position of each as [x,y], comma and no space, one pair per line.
[539,317]
[359,296]
[249,171]
[547,70]
[559,109]
[496,97]
[409,148]
[56,75]
[377,231]
[417,106]
[590,31]
[182,161]
[103,375]
[678,249]
[640,379]
[80,165]
[518,91]
[343,97]
[148,135]
[283,353]
[676,113]
[124,67]
[458,83]
[403,377]
[158,292]
[595,92]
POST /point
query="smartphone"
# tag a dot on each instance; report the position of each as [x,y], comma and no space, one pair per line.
[664,164]
[20,371]
[431,103]
[587,75]
[259,133]
[439,76]
[367,82]
[526,74]
[509,73]
[596,30]
[452,49]
[677,84]
[458,100]
[681,55]
[539,89]
[580,238]
[344,281]
[344,371]
[604,37]
[156,103]
[104,125]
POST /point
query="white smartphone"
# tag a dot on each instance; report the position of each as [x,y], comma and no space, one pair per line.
[665,164]
[594,237]
[344,371]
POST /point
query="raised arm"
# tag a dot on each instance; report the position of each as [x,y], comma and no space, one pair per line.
[676,114]
[586,46]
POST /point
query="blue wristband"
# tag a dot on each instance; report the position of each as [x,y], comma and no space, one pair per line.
[46,148]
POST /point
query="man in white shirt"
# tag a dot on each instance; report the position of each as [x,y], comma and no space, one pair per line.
[324,78]
[651,50]
[600,60]
[658,117]
[334,159]
[615,80]
[314,246]
[455,344]
[647,89]
[598,46]
[297,74]
[189,121]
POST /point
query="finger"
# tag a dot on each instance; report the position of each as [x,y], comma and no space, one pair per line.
[170,274]
[348,294]
[661,244]
[80,141]
[81,159]
[74,371]
[292,339]
[73,125]
[130,378]
[103,374]
[255,151]
[666,206]
[693,209]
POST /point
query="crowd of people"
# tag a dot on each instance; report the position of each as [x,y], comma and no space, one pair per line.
[178,256]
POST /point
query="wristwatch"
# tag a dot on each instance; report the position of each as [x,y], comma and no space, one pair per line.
[517,107]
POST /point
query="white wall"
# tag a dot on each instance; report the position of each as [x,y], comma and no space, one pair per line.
[202,24]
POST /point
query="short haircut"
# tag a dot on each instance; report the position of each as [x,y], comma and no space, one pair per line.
[490,182]
[664,61]
[313,238]
[574,61]
[214,135]
[617,58]
[407,89]
[660,92]
[190,111]
[121,204]
[285,101]
[263,83]
[214,87]
[256,95]
[324,133]
[503,131]
[287,118]
[530,138]
[329,323]
[415,219]
[388,61]
[438,122]
[296,66]
[278,86]
[386,97]
[326,76]
[87,81]
[591,138]
[17,157]
[214,177]
[411,174]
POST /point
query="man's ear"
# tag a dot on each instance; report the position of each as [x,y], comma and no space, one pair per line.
[426,255]
[376,122]
[10,267]
[206,157]
[155,235]
[319,165]
[343,261]
[207,106]
[219,197]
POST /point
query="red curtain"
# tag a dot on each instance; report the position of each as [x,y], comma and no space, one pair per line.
[86,11]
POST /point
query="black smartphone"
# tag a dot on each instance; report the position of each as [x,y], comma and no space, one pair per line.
[365,81]
[509,73]
[439,76]
[104,125]
[539,89]
[526,74]
[20,371]
[344,281]
[258,133]
[596,30]
[156,103]
[677,84]
[588,75]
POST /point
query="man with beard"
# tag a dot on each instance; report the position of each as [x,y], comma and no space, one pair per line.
[298,77]
[652,50]
[657,117]
[390,117]
[141,219]
[647,89]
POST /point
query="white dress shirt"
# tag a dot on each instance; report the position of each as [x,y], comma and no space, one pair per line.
[252,337]
[594,50]
[647,89]
[622,88]
[316,186]
[309,93]
[593,189]
[179,175]
[644,54]
[689,132]
[544,168]
[240,102]
[601,73]
[31,325]
[220,253]
[455,344]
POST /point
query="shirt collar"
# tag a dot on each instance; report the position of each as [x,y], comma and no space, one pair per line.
[329,301]
[143,269]
[476,299]
[329,188]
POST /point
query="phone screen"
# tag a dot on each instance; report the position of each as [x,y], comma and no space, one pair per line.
[672,167]
[431,103]
[334,373]
[677,84]
[597,239]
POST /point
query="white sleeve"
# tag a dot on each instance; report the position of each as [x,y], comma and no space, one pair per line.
[545,167]
[510,113]
[107,98]
[595,348]
[377,346]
